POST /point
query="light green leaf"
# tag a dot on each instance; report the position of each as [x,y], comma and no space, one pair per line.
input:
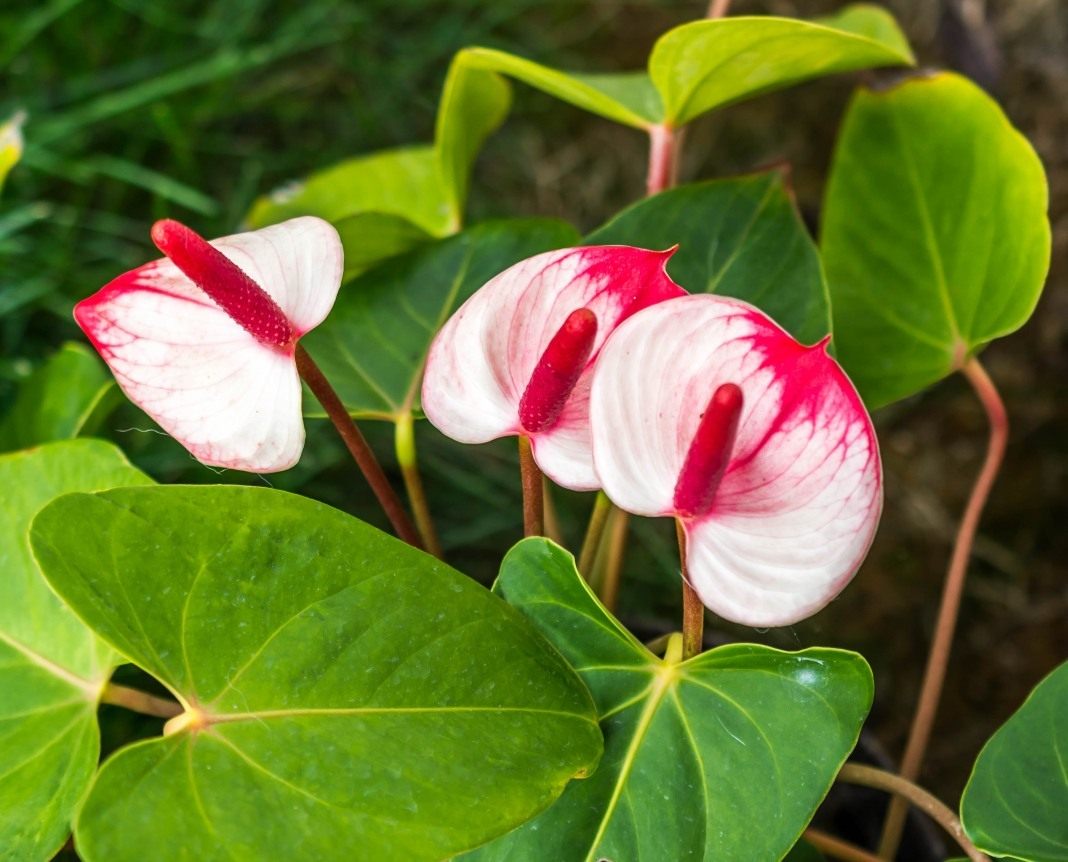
[63,398]
[872,22]
[710,64]
[473,105]
[628,98]
[402,182]
[1016,800]
[724,756]
[738,237]
[935,235]
[52,668]
[11,145]
[344,690]
[373,346]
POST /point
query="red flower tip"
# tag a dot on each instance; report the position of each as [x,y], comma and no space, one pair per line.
[233,291]
[558,371]
[709,452]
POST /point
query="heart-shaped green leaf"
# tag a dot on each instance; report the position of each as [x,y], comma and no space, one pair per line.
[724,756]
[63,398]
[52,668]
[710,64]
[344,692]
[10,145]
[1016,801]
[935,235]
[738,237]
[373,346]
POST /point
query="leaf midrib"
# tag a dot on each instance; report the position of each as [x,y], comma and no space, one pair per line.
[663,682]
[359,711]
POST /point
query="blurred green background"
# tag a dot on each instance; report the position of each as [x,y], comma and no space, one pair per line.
[192,109]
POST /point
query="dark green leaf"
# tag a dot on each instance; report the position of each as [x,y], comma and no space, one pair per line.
[738,237]
[343,690]
[705,65]
[1016,801]
[63,398]
[935,234]
[52,668]
[724,756]
[373,345]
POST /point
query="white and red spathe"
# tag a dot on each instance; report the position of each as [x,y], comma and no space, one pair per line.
[779,491]
[203,340]
[517,358]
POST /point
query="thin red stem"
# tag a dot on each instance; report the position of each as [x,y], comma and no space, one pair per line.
[938,658]
[718,8]
[693,611]
[533,502]
[359,449]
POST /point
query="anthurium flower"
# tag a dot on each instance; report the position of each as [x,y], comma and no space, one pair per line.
[518,356]
[703,409]
[204,339]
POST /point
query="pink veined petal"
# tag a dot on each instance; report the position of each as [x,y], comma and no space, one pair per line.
[228,399]
[798,504]
[482,360]
[298,262]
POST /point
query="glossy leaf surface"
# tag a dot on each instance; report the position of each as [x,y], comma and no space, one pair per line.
[725,756]
[935,234]
[345,690]
[737,237]
[374,344]
[705,65]
[1015,802]
[60,400]
[52,668]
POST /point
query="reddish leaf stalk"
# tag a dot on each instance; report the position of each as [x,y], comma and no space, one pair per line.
[533,502]
[938,657]
[359,449]
[662,156]
[836,848]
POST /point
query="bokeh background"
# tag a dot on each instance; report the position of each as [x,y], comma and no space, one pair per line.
[192,108]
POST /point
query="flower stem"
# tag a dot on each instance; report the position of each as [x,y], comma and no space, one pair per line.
[614,555]
[404,445]
[356,444]
[533,503]
[868,776]
[602,507]
[718,8]
[693,611]
[140,701]
[836,848]
[935,674]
